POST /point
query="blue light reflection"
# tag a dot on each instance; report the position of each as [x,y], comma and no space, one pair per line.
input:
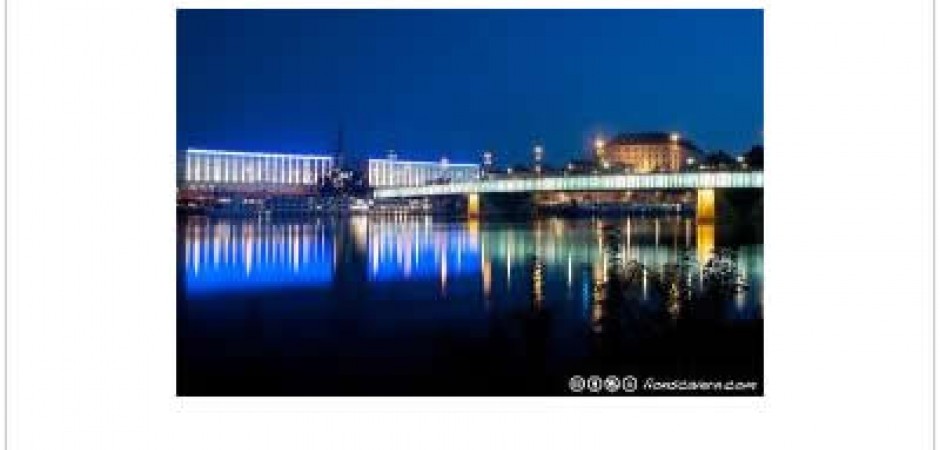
[222,256]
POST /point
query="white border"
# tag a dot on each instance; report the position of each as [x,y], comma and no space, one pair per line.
[90,364]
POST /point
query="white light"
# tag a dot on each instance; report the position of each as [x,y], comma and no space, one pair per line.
[595,182]
[435,163]
[254,154]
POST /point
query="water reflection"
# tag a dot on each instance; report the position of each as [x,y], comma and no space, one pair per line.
[330,305]
[222,256]
[654,258]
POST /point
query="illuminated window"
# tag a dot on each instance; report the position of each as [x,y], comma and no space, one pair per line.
[192,173]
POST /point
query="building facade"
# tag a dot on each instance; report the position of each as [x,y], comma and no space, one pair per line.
[647,152]
[224,170]
[391,172]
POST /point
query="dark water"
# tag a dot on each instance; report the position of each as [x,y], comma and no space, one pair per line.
[421,306]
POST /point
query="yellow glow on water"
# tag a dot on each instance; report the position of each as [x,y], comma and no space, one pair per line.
[538,283]
[656,231]
[487,278]
[487,270]
[473,228]
[704,240]
[360,229]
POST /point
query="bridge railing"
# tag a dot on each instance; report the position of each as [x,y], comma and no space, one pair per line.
[606,182]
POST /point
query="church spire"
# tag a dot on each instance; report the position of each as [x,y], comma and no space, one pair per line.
[340,147]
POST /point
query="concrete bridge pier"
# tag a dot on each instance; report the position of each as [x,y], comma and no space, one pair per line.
[473,206]
[705,205]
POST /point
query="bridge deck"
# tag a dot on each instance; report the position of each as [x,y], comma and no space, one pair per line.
[653,181]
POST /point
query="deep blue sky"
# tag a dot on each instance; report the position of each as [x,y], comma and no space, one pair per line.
[433,83]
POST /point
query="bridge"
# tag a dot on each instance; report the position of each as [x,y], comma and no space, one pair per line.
[606,182]
[705,184]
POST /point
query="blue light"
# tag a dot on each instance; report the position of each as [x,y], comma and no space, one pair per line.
[256,257]
[412,253]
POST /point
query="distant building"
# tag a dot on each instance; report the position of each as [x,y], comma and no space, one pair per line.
[580,167]
[647,152]
[717,160]
[391,172]
[225,170]
[754,157]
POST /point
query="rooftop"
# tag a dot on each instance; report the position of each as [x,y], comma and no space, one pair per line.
[651,137]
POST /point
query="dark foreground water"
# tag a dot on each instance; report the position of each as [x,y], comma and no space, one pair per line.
[423,306]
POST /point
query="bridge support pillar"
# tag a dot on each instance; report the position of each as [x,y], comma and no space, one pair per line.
[473,206]
[705,205]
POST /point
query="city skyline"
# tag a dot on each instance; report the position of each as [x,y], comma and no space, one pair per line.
[455,83]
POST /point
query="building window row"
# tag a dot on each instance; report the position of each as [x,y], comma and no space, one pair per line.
[390,172]
[232,168]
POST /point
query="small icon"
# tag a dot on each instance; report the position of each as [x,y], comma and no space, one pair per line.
[576,383]
[612,383]
[629,383]
[594,383]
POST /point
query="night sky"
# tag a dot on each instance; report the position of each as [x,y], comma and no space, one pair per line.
[452,83]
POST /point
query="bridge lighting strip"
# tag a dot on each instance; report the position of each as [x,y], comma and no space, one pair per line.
[254,154]
[692,180]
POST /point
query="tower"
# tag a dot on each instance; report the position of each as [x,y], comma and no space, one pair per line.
[538,152]
[340,149]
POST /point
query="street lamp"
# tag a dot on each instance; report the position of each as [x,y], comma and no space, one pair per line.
[674,137]
[487,162]
[599,151]
[537,154]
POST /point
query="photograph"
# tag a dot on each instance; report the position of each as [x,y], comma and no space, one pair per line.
[476,225]
[478,202]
